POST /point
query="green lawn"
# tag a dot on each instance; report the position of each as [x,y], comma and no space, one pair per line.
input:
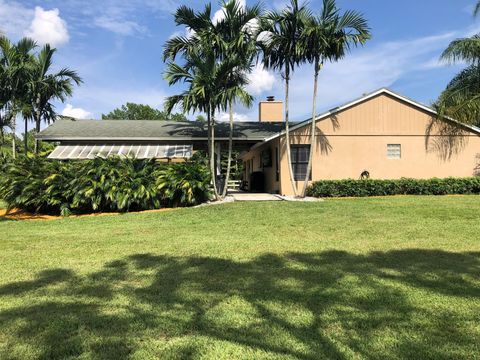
[342,279]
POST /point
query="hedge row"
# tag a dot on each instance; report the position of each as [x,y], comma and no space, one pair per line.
[100,185]
[405,186]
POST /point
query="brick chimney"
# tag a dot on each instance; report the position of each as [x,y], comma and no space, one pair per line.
[270,110]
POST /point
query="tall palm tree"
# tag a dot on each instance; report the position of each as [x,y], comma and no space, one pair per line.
[4,115]
[17,63]
[218,56]
[238,32]
[327,38]
[283,51]
[45,87]
[200,71]
[205,79]
[461,98]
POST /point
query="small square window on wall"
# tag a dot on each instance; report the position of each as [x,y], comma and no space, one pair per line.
[394,151]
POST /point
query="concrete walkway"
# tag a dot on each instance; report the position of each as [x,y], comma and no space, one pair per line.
[244,196]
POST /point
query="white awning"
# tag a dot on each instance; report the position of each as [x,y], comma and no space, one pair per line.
[71,152]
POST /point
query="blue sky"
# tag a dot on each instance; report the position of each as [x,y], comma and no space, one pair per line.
[116,46]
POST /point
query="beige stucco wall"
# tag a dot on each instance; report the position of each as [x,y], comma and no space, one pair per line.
[254,157]
[356,140]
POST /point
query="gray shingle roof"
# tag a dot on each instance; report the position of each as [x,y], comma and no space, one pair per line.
[144,130]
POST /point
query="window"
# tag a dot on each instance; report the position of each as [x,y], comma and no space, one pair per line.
[394,151]
[300,155]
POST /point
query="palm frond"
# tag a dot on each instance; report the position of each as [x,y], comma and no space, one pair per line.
[466,49]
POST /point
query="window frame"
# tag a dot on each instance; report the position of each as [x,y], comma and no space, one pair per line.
[294,149]
[394,151]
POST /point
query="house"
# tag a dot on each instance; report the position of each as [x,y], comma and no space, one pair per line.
[383,134]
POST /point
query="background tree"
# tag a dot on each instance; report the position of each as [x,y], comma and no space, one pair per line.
[28,85]
[327,38]
[16,61]
[44,87]
[282,51]
[201,118]
[461,98]
[132,111]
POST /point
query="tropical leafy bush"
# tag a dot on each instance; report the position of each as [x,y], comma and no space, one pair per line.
[361,188]
[184,184]
[113,184]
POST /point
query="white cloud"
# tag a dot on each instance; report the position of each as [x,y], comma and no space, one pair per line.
[260,80]
[15,18]
[77,113]
[225,116]
[220,14]
[187,33]
[118,26]
[48,27]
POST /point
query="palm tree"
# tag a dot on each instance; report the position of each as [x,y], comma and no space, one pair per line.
[45,87]
[5,122]
[217,58]
[204,77]
[200,71]
[461,98]
[238,33]
[26,110]
[283,51]
[16,61]
[327,38]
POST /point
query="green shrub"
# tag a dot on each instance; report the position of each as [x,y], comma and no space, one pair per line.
[184,184]
[48,186]
[404,186]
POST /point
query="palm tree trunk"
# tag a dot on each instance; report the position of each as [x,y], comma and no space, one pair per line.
[38,119]
[287,133]
[25,138]
[230,145]
[2,133]
[14,127]
[211,150]
[313,129]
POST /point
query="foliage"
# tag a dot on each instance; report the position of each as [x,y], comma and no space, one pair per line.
[327,38]
[99,185]
[460,100]
[28,85]
[217,56]
[405,186]
[184,184]
[132,111]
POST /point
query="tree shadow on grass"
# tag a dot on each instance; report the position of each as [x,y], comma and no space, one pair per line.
[397,304]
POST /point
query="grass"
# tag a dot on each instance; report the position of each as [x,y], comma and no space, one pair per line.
[385,278]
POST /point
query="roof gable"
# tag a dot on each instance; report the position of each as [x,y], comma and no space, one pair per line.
[368,97]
